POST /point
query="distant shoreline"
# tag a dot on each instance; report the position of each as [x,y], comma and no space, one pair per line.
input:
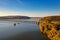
[15,17]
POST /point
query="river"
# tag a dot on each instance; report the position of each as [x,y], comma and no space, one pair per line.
[21,31]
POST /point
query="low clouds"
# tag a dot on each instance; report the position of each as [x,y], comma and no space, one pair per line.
[31,14]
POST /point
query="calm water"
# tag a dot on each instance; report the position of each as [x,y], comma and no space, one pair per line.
[22,31]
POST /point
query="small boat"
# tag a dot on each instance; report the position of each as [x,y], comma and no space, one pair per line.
[14,24]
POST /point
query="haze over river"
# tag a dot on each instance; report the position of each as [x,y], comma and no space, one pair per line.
[21,31]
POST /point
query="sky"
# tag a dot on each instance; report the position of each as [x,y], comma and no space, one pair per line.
[32,8]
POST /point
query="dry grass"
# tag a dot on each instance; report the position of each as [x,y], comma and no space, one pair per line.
[50,27]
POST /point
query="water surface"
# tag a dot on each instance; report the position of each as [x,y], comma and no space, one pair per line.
[21,31]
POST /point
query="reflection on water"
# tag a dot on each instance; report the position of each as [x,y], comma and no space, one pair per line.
[19,31]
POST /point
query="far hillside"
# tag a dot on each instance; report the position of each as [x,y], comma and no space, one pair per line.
[15,17]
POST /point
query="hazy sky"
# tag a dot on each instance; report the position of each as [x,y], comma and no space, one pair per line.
[30,7]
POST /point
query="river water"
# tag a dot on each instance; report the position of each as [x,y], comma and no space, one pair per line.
[20,31]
